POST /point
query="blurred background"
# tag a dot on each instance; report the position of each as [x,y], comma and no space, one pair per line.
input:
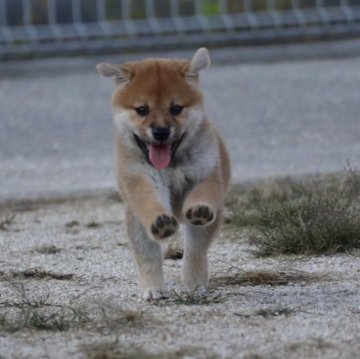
[67,27]
[283,88]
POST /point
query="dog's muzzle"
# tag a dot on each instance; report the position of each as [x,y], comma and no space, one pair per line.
[148,151]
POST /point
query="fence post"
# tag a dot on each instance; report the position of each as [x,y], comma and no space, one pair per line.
[224,11]
[27,20]
[77,18]
[4,23]
[151,18]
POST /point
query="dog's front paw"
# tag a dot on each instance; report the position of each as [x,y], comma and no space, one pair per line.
[200,215]
[164,226]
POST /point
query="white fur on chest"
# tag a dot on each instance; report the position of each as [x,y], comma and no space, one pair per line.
[179,179]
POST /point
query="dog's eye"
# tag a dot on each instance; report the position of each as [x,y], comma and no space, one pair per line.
[176,109]
[142,110]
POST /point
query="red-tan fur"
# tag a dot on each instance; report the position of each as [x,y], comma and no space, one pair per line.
[190,191]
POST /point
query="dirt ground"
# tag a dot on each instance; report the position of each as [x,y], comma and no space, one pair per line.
[68,289]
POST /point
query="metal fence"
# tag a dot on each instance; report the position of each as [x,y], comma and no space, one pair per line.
[65,27]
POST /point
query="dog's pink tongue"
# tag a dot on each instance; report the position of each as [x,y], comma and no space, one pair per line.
[160,155]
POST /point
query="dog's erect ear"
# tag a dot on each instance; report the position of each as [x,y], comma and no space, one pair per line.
[120,73]
[200,61]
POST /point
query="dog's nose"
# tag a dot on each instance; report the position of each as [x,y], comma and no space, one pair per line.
[161,133]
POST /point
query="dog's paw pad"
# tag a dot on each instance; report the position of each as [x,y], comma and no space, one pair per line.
[200,215]
[164,226]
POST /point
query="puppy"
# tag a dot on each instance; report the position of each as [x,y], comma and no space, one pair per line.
[172,165]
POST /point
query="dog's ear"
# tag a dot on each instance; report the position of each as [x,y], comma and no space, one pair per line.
[200,61]
[120,73]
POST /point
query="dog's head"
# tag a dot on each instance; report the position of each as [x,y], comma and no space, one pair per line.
[157,102]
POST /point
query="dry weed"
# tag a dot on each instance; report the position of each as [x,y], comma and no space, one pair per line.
[254,278]
[309,216]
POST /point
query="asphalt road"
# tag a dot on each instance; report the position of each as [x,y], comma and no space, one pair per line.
[279,118]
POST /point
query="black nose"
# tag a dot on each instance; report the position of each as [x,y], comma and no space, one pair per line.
[161,133]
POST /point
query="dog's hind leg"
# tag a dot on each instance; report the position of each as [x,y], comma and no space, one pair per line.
[149,258]
[196,244]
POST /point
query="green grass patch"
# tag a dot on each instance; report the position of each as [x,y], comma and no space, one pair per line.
[300,216]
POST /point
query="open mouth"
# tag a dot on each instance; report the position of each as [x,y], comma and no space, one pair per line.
[159,155]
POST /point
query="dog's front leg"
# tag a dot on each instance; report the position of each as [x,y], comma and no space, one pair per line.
[202,211]
[148,219]
[204,201]
[149,259]
[150,203]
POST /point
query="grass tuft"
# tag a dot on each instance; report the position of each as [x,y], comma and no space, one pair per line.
[196,298]
[317,216]
[35,311]
[38,314]
[37,319]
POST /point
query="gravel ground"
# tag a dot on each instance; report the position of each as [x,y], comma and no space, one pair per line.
[308,316]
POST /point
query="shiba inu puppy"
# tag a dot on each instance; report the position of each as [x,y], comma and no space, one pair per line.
[172,165]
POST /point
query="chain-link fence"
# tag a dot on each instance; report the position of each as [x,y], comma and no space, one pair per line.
[65,27]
